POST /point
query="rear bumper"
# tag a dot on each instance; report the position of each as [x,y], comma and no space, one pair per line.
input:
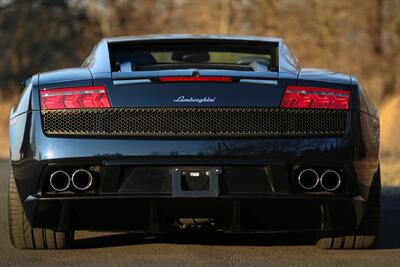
[155,214]
[143,195]
[32,151]
[274,208]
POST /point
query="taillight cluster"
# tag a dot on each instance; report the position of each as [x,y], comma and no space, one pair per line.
[75,97]
[96,96]
[315,97]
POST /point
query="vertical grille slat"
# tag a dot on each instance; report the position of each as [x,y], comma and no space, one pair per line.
[195,122]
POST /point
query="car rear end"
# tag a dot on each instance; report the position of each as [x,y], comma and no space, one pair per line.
[217,134]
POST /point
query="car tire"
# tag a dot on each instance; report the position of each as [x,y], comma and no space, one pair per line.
[22,235]
[368,231]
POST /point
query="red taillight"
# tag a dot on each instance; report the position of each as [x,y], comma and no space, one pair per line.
[75,97]
[315,97]
[195,79]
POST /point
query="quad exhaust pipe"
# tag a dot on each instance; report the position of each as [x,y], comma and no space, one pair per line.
[81,180]
[60,180]
[309,179]
[330,180]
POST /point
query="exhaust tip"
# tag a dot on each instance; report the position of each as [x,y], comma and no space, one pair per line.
[308,179]
[330,180]
[82,179]
[60,180]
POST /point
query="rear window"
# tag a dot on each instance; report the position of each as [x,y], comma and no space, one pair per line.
[127,57]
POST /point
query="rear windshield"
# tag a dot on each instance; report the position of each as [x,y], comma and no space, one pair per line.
[207,55]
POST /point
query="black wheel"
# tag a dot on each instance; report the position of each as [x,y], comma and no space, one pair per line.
[368,231]
[22,235]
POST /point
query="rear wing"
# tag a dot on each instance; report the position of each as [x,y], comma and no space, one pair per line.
[193,54]
[137,54]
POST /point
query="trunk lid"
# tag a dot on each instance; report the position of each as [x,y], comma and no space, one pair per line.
[143,89]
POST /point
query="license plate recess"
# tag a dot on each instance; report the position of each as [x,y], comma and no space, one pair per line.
[195,181]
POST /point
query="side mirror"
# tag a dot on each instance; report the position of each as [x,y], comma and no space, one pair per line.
[24,83]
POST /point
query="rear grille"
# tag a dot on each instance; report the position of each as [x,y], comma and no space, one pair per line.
[195,122]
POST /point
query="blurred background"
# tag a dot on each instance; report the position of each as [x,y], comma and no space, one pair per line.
[361,37]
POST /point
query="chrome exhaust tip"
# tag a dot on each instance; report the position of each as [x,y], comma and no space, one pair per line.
[82,179]
[308,179]
[330,180]
[60,180]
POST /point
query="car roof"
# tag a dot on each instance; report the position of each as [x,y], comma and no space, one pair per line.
[154,37]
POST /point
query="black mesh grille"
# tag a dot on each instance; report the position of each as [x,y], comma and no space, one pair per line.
[195,122]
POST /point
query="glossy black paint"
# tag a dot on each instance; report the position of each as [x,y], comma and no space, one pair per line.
[32,152]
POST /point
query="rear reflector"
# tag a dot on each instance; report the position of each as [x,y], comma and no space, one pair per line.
[75,97]
[195,79]
[315,97]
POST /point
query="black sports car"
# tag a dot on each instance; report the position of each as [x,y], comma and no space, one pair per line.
[160,133]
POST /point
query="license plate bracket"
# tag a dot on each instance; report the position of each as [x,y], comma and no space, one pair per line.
[195,181]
